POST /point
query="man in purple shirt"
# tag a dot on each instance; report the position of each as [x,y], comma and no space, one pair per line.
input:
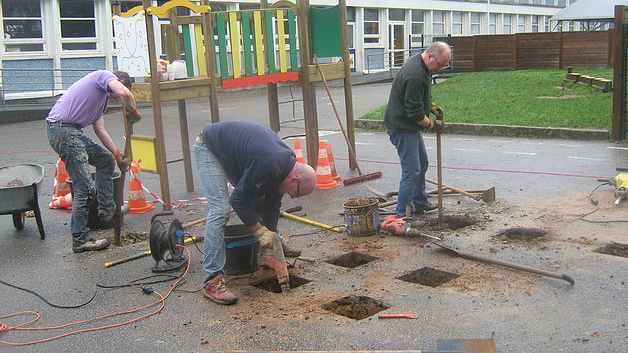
[84,104]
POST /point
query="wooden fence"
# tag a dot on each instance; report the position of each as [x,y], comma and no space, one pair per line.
[548,50]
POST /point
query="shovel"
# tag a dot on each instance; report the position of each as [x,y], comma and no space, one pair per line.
[455,251]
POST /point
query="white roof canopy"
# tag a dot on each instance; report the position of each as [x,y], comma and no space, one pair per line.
[583,10]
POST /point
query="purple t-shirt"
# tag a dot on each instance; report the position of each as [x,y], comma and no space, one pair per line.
[85,101]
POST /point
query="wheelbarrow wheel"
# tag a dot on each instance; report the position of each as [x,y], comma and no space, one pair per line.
[19,219]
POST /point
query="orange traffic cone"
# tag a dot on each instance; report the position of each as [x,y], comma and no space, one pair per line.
[323,172]
[60,186]
[298,151]
[332,164]
[61,201]
[137,201]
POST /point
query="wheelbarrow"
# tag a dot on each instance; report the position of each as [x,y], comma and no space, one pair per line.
[18,193]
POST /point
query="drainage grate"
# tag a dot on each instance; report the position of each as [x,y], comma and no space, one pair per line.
[615,249]
[428,276]
[271,284]
[351,260]
[355,307]
[523,234]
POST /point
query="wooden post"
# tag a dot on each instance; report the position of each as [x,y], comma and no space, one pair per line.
[273,97]
[309,93]
[210,62]
[619,73]
[162,166]
[353,163]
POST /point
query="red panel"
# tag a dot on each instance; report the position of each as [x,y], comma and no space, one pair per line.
[260,80]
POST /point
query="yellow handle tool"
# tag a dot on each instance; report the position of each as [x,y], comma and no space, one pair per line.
[314,223]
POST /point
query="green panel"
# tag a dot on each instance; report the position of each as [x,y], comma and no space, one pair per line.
[246,34]
[292,28]
[187,44]
[325,24]
[222,45]
[270,41]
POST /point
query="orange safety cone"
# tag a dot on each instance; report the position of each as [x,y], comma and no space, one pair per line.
[61,201]
[298,151]
[137,201]
[323,172]
[60,186]
[332,164]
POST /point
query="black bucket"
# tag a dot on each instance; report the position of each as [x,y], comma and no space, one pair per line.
[242,248]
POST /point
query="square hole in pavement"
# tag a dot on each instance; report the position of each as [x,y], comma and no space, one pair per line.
[355,307]
[428,276]
[615,249]
[351,260]
[271,284]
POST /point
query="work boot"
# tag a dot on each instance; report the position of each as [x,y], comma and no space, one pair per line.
[428,206]
[289,251]
[90,245]
[216,291]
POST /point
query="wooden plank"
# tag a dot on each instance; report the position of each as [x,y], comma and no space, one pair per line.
[294,63]
[270,41]
[189,56]
[259,44]
[200,50]
[222,45]
[281,42]
[173,90]
[332,71]
[234,38]
[246,39]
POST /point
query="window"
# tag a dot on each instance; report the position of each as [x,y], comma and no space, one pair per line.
[396,15]
[22,25]
[535,23]
[350,27]
[248,6]
[521,23]
[418,23]
[438,22]
[492,23]
[218,6]
[550,2]
[78,25]
[507,28]
[561,2]
[475,23]
[371,26]
[456,23]
[537,2]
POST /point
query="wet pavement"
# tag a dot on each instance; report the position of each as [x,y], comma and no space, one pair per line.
[540,183]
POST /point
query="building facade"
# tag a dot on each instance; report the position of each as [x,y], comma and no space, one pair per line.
[49,44]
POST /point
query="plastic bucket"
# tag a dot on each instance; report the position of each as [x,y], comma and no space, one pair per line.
[362,216]
[242,248]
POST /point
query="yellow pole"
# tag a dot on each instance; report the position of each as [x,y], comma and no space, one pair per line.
[310,222]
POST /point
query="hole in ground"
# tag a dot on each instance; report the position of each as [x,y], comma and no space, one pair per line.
[351,260]
[428,276]
[524,234]
[271,284]
[355,307]
[451,222]
[615,249]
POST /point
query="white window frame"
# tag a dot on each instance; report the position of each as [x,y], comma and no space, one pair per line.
[416,37]
[457,25]
[98,27]
[377,35]
[521,23]
[492,26]
[440,23]
[534,23]
[507,23]
[477,25]
[18,41]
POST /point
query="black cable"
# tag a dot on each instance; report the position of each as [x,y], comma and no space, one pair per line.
[595,202]
[188,235]
[45,300]
[136,282]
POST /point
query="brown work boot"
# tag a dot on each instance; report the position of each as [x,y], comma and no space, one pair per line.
[90,245]
[289,251]
[216,291]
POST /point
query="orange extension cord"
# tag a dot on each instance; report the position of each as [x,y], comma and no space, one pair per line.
[162,301]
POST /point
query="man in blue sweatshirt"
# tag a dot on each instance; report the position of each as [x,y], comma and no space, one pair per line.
[254,159]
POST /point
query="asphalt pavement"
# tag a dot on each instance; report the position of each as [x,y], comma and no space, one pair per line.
[521,313]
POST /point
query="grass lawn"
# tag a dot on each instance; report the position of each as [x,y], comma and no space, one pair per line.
[525,98]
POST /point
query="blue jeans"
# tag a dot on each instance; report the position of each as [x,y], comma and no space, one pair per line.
[413,159]
[77,152]
[214,180]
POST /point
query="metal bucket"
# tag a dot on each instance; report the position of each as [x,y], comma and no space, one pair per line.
[362,216]
[242,248]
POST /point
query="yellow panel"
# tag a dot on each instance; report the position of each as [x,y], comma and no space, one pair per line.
[144,148]
[259,47]
[162,11]
[234,38]
[282,42]
[200,52]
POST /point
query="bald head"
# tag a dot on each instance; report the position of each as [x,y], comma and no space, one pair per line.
[300,181]
[437,56]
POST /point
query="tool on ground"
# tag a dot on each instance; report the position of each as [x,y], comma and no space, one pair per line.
[310,222]
[344,133]
[488,196]
[275,260]
[130,118]
[400,226]
[163,245]
[446,191]
[503,263]
[397,316]
[621,186]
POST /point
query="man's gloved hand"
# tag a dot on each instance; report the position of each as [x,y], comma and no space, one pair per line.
[437,111]
[436,125]
[266,237]
[133,117]
[123,163]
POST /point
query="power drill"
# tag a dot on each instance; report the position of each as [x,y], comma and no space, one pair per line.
[621,187]
[400,226]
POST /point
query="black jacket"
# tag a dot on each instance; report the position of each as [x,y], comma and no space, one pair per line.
[410,97]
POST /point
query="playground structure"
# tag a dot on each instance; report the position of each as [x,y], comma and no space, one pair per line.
[273,44]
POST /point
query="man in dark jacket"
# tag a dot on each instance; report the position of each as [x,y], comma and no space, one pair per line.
[260,166]
[409,105]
